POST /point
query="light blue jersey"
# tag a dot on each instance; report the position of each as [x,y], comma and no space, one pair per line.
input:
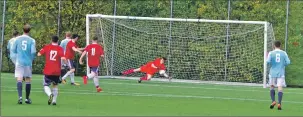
[278,59]
[25,50]
[64,43]
[10,44]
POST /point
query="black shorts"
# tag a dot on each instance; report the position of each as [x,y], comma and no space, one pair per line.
[71,64]
[51,79]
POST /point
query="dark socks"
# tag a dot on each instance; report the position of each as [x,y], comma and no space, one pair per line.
[280,95]
[272,95]
[28,89]
[19,88]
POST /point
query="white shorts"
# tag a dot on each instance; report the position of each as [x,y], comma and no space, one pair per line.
[23,71]
[277,82]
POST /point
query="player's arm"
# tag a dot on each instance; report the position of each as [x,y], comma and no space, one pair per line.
[33,49]
[162,71]
[64,59]
[76,50]
[81,58]
[61,44]
[81,49]
[41,52]
[102,52]
[268,59]
[14,47]
[154,66]
[61,54]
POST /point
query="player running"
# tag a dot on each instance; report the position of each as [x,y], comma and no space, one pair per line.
[277,59]
[52,70]
[150,69]
[71,48]
[94,52]
[25,50]
[10,44]
[63,43]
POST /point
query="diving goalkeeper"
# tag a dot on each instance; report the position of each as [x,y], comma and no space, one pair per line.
[150,69]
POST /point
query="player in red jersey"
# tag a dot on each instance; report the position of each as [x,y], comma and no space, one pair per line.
[52,70]
[150,69]
[94,52]
[70,50]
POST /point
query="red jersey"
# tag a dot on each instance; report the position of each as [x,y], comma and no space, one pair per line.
[94,52]
[149,69]
[53,54]
[157,63]
[69,52]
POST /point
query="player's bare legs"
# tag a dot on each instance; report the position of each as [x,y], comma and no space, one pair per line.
[130,71]
[272,95]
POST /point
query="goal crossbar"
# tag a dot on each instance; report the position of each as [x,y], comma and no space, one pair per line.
[174,19]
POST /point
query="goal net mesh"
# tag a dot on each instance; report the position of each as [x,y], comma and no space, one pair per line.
[205,51]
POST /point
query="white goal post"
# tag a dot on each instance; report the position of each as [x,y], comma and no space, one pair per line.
[198,50]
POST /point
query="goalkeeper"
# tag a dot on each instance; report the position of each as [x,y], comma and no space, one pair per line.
[150,69]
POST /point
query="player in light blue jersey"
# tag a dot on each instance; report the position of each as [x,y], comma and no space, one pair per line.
[63,43]
[25,50]
[277,59]
[10,43]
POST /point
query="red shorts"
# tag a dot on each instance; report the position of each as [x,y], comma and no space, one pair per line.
[148,69]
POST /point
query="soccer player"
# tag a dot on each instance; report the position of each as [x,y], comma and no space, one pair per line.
[277,59]
[63,44]
[94,52]
[71,48]
[10,44]
[52,70]
[25,50]
[150,69]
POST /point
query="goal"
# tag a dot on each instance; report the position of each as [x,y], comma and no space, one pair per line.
[198,50]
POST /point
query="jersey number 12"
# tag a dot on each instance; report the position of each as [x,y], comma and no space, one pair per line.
[53,55]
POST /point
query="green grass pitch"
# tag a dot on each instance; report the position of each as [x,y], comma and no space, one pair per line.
[128,98]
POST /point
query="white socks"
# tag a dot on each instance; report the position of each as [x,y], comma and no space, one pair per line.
[96,81]
[47,90]
[55,92]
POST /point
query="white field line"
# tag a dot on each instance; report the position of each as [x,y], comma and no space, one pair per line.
[163,95]
[195,87]
[196,83]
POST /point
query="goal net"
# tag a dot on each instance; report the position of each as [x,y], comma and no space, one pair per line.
[198,50]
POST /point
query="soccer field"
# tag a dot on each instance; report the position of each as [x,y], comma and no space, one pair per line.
[128,98]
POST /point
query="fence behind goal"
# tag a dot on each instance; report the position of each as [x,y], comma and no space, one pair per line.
[208,50]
